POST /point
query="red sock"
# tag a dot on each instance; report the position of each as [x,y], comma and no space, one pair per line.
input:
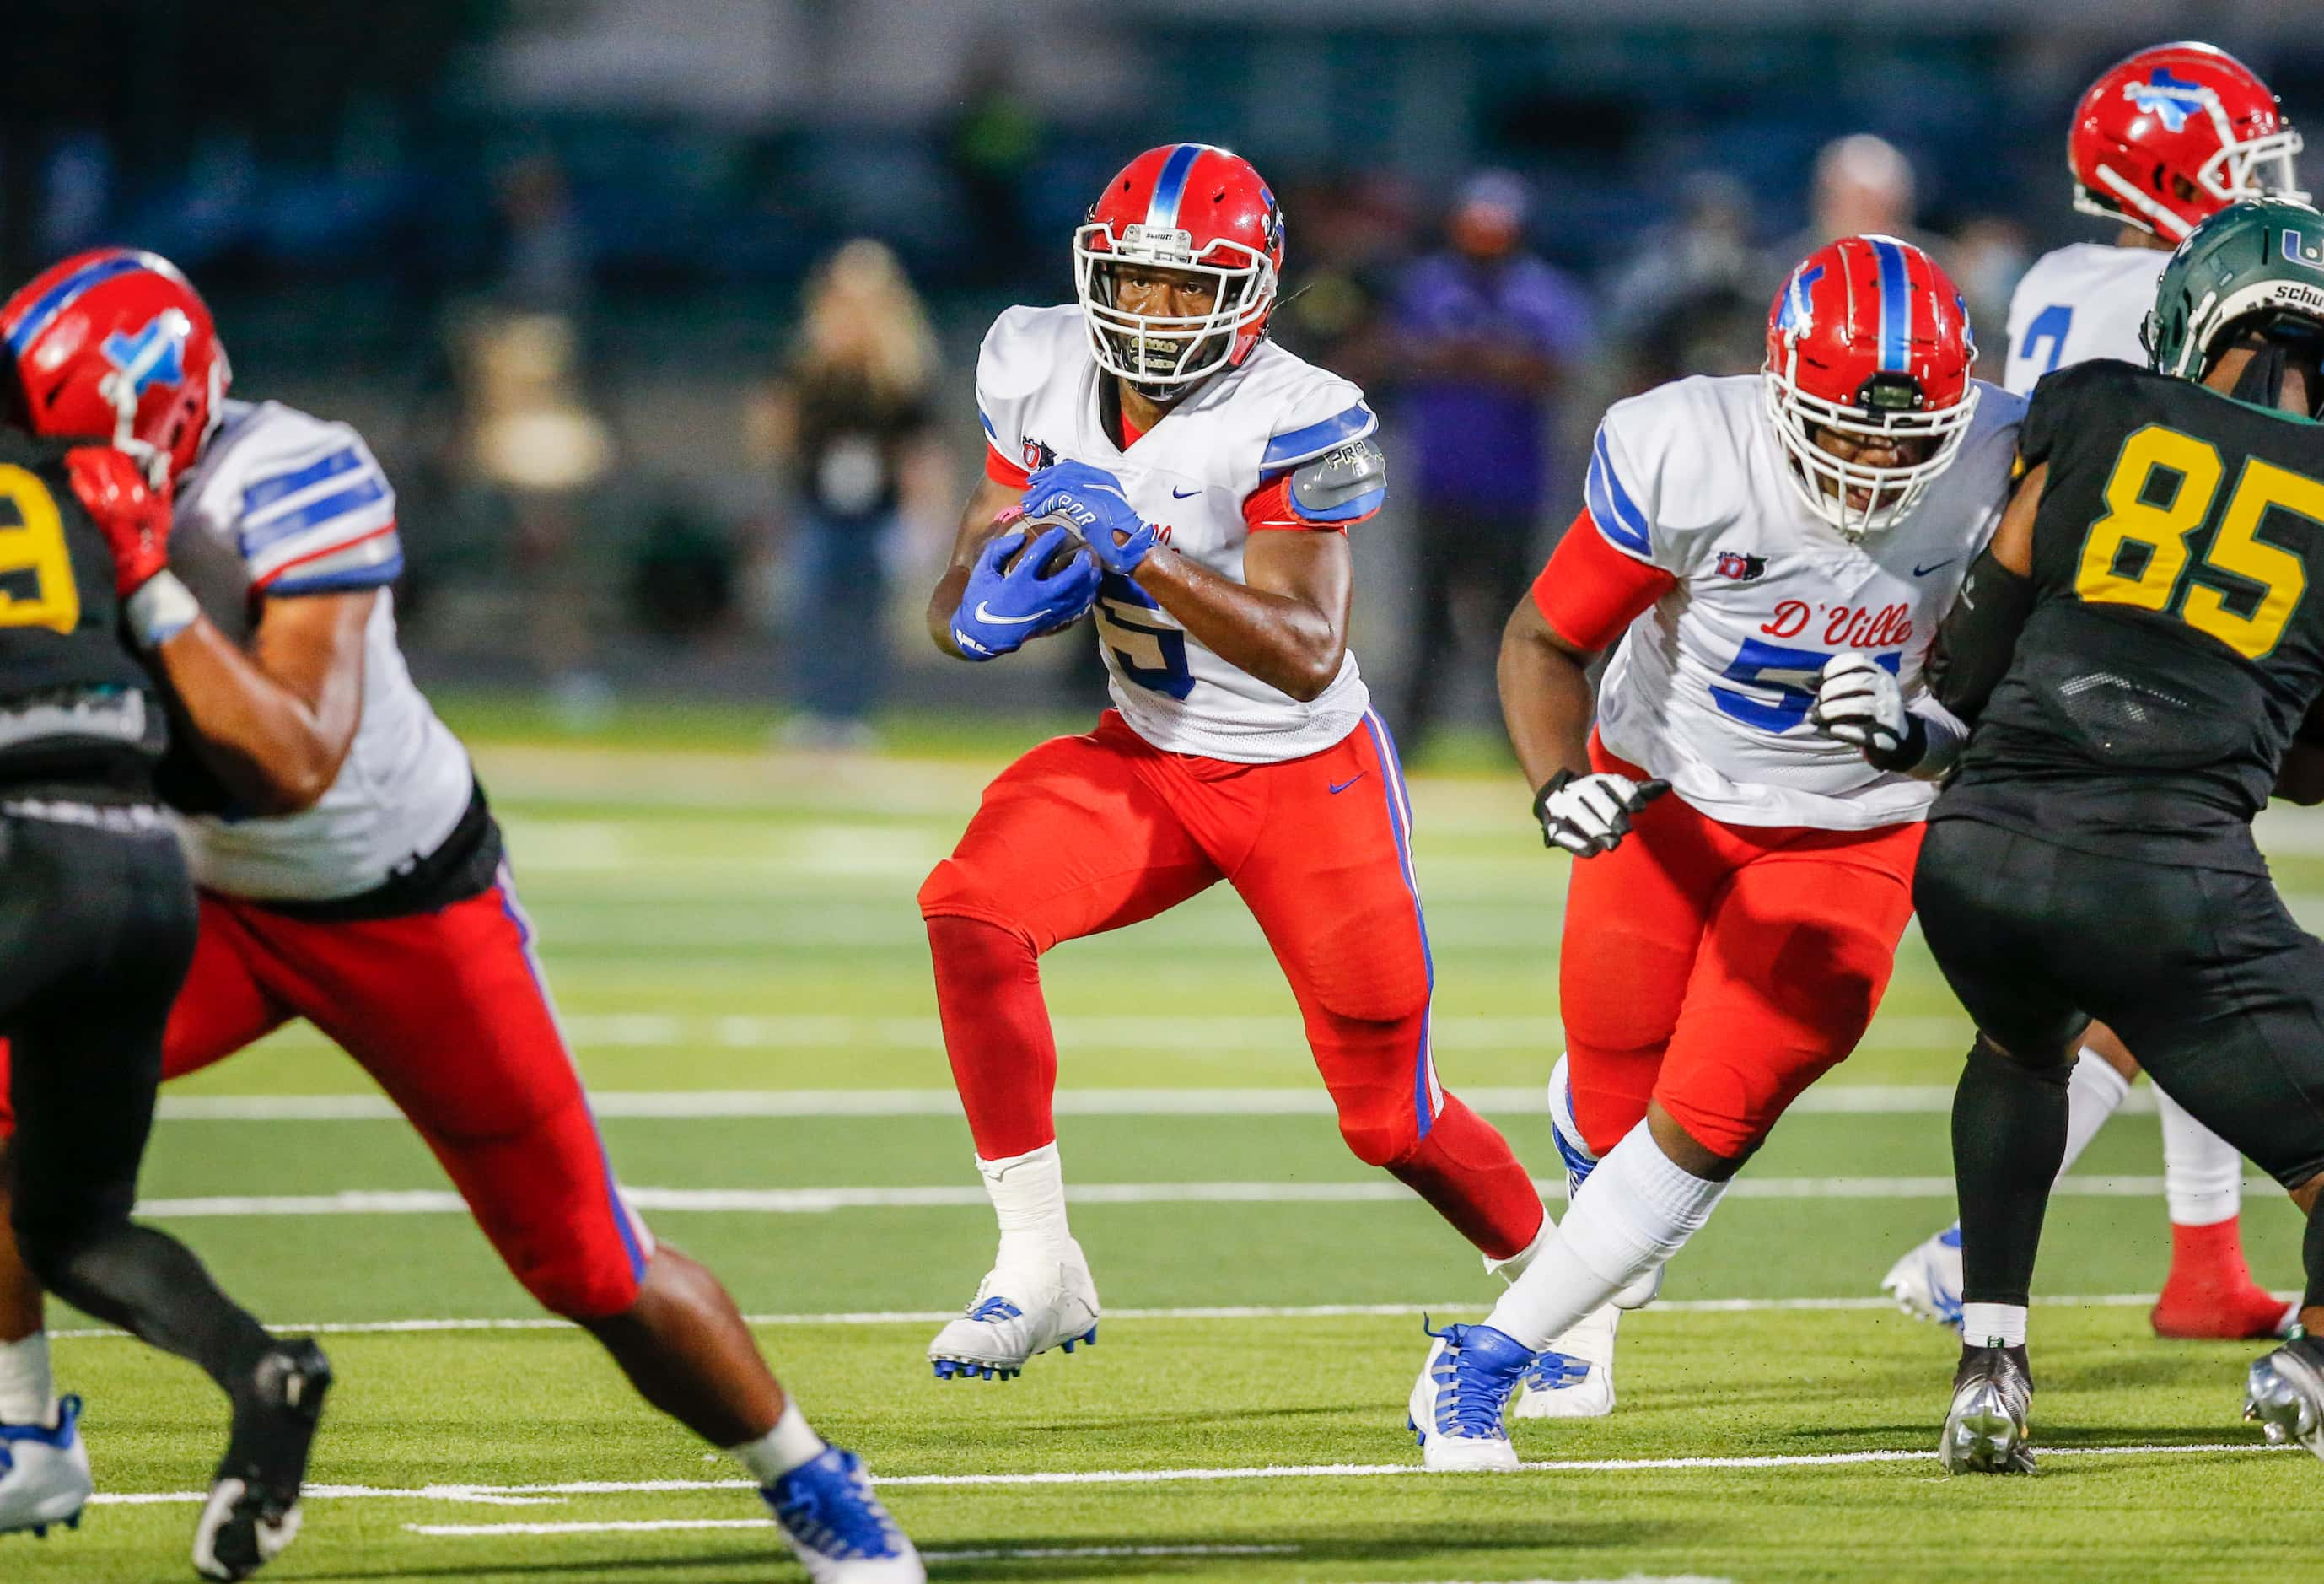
[996,1029]
[2211,1292]
[1465,1169]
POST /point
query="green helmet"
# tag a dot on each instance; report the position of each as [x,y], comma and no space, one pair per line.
[2264,258]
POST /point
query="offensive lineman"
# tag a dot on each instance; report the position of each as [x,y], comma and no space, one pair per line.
[351,873]
[2161,141]
[2137,650]
[96,923]
[1727,943]
[1213,476]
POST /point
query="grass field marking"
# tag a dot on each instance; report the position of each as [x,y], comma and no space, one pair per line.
[1877,1099]
[986,1554]
[1220,1312]
[813,1201]
[501,1494]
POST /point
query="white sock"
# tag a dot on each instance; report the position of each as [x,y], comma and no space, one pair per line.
[1509,1270]
[2094,1093]
[788,1445]
[1993,1325]
[27,1393]
[1029,1197]
[1570,1145]
[2202,1173]
[1636,1212]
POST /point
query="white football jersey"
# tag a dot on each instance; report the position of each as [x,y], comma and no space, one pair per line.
[1711,688]
[1036,390]
[280,505]
[2080,302]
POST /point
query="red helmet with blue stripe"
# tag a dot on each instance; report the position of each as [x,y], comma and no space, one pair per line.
[1190,207]
[2170,136]
[1869,339]
[115,344]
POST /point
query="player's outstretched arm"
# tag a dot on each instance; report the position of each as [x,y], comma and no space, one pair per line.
[1545,697]
[274,724]
[1978,636]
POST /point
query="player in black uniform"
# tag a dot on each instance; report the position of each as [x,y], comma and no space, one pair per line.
[2137,651]
[97,926]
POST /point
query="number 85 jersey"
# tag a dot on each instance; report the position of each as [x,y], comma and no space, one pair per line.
[1728,596]
[1276,443]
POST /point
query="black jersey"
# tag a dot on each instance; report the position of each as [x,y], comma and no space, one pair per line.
[2177,635]
[78,708]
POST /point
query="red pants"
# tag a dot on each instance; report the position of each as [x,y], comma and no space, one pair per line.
[446,1010]
[1721,970]
[1089,833]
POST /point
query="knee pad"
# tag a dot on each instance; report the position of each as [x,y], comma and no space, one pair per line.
[1357,977]
[1380,1130]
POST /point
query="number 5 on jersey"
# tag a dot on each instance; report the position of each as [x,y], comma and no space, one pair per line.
[2162,490]
[36,578]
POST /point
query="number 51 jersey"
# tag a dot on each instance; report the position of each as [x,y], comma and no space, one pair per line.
[2177,635]
[1709,687]
[1233,457]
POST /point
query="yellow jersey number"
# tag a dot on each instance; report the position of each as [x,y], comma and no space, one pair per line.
[2164,580]
[32,540]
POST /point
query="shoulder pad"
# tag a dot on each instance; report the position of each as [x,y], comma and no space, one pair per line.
[1345,482]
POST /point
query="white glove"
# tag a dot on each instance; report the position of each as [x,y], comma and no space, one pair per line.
[1861,704]
[1590,815]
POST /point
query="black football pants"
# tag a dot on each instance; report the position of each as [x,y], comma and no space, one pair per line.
[96,927]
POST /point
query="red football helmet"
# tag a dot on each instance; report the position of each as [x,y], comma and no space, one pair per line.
[1868,338]
[1184,206]
[115,344]
[2174,134]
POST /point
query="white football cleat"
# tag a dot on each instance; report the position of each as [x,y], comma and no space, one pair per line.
[1574,1376]
[1457,1405]
[1926,1283]
[1020,1310]
[45,1473]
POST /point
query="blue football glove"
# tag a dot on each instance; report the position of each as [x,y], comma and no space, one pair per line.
[999,610]
[1091,499]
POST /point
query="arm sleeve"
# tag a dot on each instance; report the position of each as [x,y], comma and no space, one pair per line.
[1977,638]
[1590,590]
[1002,383]
[318,519]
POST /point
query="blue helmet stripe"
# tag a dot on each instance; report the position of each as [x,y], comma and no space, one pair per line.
[1895,307]
[1162,213]
[58,297]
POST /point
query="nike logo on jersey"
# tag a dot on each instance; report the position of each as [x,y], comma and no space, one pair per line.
[1921,571]
[1178,494]
[984,613]
[1344,786]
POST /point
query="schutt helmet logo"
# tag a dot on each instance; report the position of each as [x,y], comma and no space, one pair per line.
[1743,568]
[1039,456]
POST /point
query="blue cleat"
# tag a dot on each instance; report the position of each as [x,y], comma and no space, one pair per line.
[45,1473]
[1926,1283]
[1458,1402]
[837,1528]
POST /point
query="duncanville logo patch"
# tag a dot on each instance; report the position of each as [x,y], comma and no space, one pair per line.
[1743,568]
[1038,456]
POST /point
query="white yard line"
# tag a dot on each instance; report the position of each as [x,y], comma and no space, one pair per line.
[1224,1312]
[816,1201]
[495,1495]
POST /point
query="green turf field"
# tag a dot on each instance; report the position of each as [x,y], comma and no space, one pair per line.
[733,938]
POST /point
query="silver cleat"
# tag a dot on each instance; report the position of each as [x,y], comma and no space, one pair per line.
[1986,1431]
[2285,1397]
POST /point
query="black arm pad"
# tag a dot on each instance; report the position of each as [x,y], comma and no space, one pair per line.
[1979,637]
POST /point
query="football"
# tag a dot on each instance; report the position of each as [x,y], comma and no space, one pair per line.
[1060,558]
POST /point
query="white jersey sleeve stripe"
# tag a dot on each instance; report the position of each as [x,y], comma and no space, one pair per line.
[361,507]
[268,492]
[1300,444]
[1611,507]
[373,562]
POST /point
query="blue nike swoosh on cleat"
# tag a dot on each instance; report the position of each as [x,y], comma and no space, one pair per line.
[1344,786]
[1178,494]
[1921,571]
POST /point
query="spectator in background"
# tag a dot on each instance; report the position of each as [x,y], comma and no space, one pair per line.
[1689,302]
[992,146]
[1863,184]
[851,417]
[1487,334]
